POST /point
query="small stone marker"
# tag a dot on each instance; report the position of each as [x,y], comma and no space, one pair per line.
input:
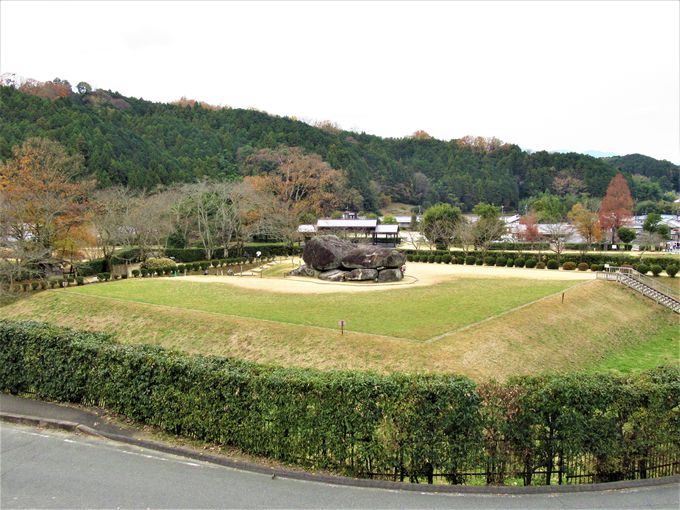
[342,327]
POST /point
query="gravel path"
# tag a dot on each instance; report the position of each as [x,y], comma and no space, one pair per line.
[417,274]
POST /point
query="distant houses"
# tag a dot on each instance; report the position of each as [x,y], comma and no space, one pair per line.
[352,227]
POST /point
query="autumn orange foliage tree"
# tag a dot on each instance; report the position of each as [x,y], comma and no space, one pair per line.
[48,90]
[530,233]
[586,223]
[43,207]
[617,206]
[303,183]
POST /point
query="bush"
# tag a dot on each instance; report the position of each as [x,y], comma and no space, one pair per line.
[501,261]
[569,266]
[530,263]
[594,267]
[446,259]
[159,264]
[388,421]
[135,273]
[80,280]
[510,263]
[479,261]
[144,273]
[656,269]
[540,265]
[215,263]
[438,259]
[490,261]
[552,264]
[672,270]
[431,259]
[519,262]
[470,261]
[642,268]
[583,266]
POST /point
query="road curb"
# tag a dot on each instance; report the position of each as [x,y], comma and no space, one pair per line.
[334,480]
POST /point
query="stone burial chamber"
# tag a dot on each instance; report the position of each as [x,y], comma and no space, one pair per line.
[333,259]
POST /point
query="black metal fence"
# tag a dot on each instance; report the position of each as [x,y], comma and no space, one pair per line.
[562,469]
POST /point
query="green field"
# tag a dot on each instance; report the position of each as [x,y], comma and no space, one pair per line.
[483,328]
[415,314]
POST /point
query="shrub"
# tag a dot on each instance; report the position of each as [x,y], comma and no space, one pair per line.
[446,259]
[672,270]
[80,280]
[292,415]
[159,264]
[510,263]
[215,263]
[470,261]
[594,267]
[552,264]
[54,283]
[582,266]
[135,273]
[430,259]
[490,261]
[530,263]
[144,273]
[438,259]
[569,266]
[519,262]
[656,269]
[642,268]
[223,262]
[35,285]
[501,261]
[44,284]
[479,261]
[540,265]
[410,258]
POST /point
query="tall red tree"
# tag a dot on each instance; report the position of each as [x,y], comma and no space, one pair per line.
[617,206]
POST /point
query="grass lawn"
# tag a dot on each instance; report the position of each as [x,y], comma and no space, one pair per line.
[415,314]
[661,348]
[466,326]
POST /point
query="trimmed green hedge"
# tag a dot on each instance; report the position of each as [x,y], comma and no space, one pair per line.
[267,249]
[358,423]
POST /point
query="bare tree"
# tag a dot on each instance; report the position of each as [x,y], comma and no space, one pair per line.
[557,235]
[465,234]
[112,220]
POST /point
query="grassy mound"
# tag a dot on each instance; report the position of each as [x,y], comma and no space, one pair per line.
[480,328]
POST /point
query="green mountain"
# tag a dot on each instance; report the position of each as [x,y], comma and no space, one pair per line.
[142,144]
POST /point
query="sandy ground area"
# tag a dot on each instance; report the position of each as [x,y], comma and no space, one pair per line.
[417,274]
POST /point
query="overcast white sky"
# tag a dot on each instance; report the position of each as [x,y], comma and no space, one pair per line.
[576,76]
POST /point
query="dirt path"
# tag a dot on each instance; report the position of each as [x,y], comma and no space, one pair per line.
[417,274]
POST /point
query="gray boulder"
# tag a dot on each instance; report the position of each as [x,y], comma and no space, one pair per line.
[334,275]
[325,252]
[390,275]
[304,270]
[360,274]
[366,256]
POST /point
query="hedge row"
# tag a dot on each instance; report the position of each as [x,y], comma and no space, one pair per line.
[530,262]
[510,246]
[409,427]
[588,258]
[198,254]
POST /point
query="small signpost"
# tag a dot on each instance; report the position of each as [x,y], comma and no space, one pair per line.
[342,327]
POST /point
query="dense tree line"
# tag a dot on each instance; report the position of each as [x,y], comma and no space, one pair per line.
[141,144]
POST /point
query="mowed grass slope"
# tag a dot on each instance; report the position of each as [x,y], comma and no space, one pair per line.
[597,322]
[415,314]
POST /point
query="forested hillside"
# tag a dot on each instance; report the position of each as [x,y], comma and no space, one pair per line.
[142,144]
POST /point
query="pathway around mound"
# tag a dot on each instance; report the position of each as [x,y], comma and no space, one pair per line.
[417,275]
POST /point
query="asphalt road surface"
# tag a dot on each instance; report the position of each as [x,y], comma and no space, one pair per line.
[51,469]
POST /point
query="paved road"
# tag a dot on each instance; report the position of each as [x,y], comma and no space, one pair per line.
[51,469]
